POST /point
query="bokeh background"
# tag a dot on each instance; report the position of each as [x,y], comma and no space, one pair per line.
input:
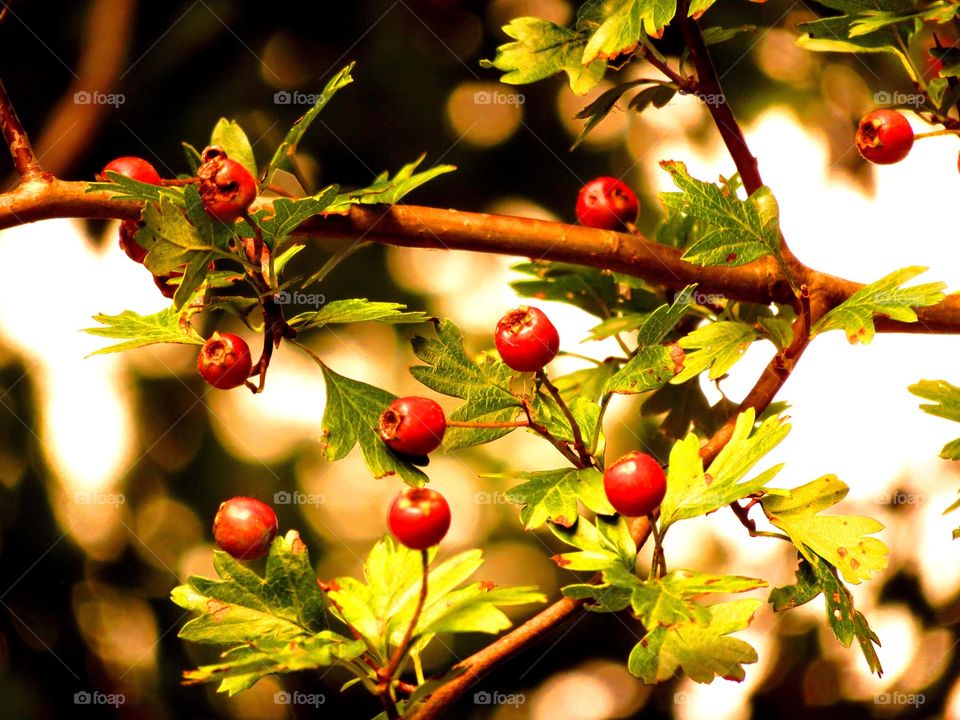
[111,468]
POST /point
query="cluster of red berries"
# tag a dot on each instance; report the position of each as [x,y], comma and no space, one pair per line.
[225,186]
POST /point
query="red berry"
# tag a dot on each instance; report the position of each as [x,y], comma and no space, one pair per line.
[413,425]
[224,361]
[128,241]
[526,339]
[606,203]
[419,518]
[245,527]
[635,484]
[884,137]
[226,187]
[132,167]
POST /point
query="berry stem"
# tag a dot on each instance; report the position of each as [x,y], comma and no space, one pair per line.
[550,437]
[658,565]
[508,424]
[578,443]
[387,673]
[936,133]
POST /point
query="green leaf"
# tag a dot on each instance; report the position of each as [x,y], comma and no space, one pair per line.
[618,25]
[587,383]
[289,213]
[884,297]
[817,576]
[841,540]
[736,231]
[717,35]
[658,96]
[543,49]
[553,494]
[230,136]
[946,404]
[276,623]
[596,111]
[703,653]
[691,492]
[283,156]
[166,326]
[121,187]
[352,416]
[593,291]
[381,607]
[170,238]
[390,190]
[649,369]
[600,546]
[835,34]
[484,385]
[670,600]
[356,310]
[717,346]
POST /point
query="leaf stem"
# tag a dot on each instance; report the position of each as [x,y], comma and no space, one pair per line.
[386,674]
[578,444]
[484,425]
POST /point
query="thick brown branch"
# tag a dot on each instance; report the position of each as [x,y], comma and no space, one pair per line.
[15,137]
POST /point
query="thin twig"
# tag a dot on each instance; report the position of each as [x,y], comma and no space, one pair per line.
[16,139]
[578,443]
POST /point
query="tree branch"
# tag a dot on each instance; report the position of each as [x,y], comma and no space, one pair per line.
[15,137]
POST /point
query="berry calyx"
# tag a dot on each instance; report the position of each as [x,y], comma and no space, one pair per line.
[606,203]
[526,339]
[132,167]
[884,137]
[224,361]
[226,187]
[128,241]
[419,518]
[413,425]
[635,484]
[245,527]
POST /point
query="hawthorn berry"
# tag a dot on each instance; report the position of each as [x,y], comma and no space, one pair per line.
[224,361]
[413,425]
[128,241]
[884,137]
[419,518]
[226,187]
[526,339]
[132,167]
[635,484]
[245,527]
[606,203]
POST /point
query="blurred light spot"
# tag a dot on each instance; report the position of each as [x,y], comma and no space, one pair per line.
[594,690]
[898,630]
[165,529]
[508,564]
[121,629]
[502,12]
[779,56]
[197,560]
[263,702]
[520,207]
[484,113]
[286,63]
[844,89]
